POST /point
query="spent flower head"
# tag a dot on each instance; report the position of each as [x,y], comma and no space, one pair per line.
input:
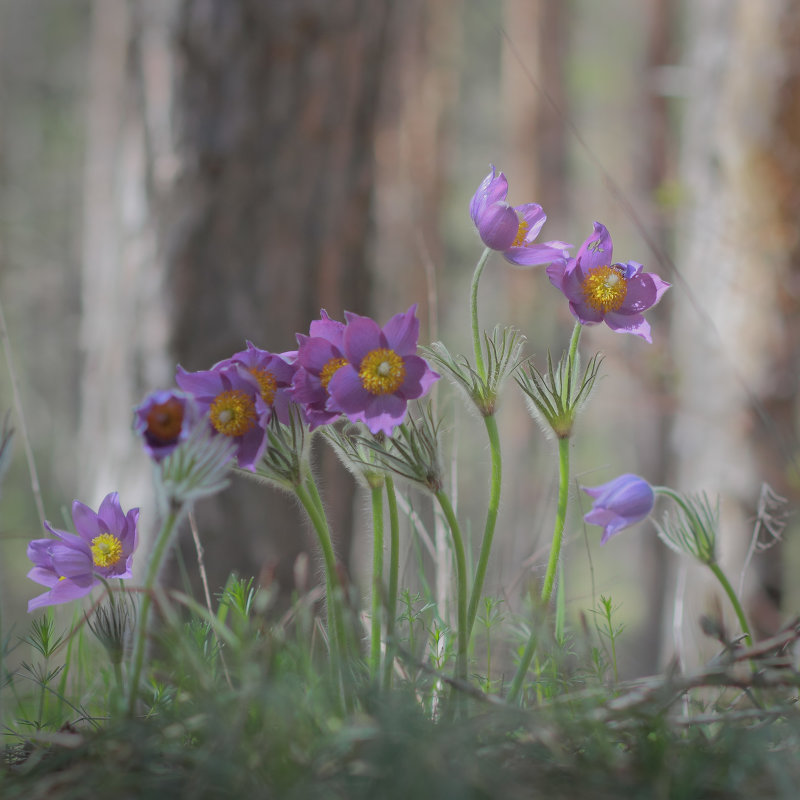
[512,230]
[71,565]
[619,504]
[602,290]
[382,373]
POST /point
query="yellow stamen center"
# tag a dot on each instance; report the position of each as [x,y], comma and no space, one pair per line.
[382,371]
[330,369]
[522,232]
[233,413]
[604,288]
[164,420]
[106,550]
[267,382]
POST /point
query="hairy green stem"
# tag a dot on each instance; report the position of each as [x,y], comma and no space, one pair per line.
[394,576]
[377,581]
[156,557]
[561,518]
[461,583]
[552,564]
[491,521]
[473,304]
[308,495]
[737,606]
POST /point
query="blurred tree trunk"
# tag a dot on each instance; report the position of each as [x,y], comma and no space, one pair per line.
[124,305]
[259,213]
[736,311]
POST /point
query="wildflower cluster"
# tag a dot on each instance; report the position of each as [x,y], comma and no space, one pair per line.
[354,379]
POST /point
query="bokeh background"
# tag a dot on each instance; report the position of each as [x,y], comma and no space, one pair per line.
[178,176]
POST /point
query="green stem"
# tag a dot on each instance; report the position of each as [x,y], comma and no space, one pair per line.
[394,572]
[552,564]
[377,581]
[306,494]
[461,583]
[737,606]
[561,518]
[473,304]
[491,521]
[156,557]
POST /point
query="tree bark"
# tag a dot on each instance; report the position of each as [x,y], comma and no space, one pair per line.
[735,327]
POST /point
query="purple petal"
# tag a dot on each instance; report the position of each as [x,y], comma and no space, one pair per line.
[556,272]
[384,412]
[111,514]
[492,190]
[640,295]
[315,353]
[533,214]
[63,592]
[534,255]
[327,328]
[597,250]
[347,391]
[87,522]
[402,332]
[251,447]
[629,323]
[418,379]
[498,226]
[361,336]
[205,384]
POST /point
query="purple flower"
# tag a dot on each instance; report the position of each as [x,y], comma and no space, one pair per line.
[319,356]
[274,373]
[512,230]
[382,372]
[164,419]
[71,565]
[232,398]
[599,290]
[619,503]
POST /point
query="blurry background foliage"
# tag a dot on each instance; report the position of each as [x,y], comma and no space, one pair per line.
[176,177]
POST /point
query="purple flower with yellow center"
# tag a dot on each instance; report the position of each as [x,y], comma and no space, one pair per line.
[232,398]
[164,419]
[319,356]
[512,229]
[382,373]
[600,290]
[274,373]
[619,504]
[71,565]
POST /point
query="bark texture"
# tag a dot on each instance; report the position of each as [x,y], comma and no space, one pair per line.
[736,303]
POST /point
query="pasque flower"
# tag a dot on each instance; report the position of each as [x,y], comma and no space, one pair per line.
[619,504]
[512,229]
[319,356]
[274,373]
[164,419]
[72,564]
[382,372]
[233,399]
[600,290]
